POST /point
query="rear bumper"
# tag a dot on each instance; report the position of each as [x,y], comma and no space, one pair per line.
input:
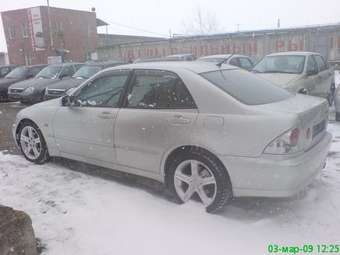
[272,176]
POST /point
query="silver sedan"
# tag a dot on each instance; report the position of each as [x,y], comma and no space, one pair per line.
[204,131]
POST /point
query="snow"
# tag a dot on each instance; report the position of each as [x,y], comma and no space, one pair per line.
[78,213]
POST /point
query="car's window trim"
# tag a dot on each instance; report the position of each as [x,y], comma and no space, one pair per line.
[105,74]
[129,86]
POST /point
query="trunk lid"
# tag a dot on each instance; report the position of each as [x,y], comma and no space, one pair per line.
[312,113]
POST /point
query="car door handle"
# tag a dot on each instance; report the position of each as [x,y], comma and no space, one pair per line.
[180,119]
[106,115]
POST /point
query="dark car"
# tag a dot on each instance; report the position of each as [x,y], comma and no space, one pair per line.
[4,70]
[18,74]
[59,89]
[33,90]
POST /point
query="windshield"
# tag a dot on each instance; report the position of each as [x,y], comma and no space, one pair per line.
[86,72]
[281,64]
[246,87]
[17,73]
[49,72]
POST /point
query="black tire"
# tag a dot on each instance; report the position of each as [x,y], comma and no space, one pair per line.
[223,183]
[44,156]
[337,116]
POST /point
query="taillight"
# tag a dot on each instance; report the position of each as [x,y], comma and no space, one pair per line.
[287,143]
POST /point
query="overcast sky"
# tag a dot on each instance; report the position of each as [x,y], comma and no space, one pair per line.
[160,16]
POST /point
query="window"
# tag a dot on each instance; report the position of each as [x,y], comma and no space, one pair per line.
[245,63]
[246,87]
[4,71]
[281,64]
[11,32]
[67,71]
[234,62]
[312,67]
[155,89]
[17,73]
[24,30]
[34,71]
[104,91]
[321,63]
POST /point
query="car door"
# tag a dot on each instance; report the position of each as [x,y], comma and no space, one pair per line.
[324,78]
[158,113]
[86,128]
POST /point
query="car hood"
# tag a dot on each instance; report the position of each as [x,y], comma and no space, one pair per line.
[66,84]
[5,83]
[35,82]
[280,79]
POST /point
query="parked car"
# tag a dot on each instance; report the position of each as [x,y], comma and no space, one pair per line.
[298,72]
[241,61]
[33,90]
[181,57]
[157,120]
[18,74]
[176,57]
[4,70]
[58,89]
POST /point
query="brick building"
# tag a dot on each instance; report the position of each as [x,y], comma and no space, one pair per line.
[34,34]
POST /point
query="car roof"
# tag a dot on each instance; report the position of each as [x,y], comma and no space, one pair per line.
[105,63]
[223,56]
[295,53]
[180,55]
[196,67]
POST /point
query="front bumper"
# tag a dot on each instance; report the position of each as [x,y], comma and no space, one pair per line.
[272,176]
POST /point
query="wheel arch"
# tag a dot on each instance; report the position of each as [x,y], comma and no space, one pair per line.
[172,154]
[19,125]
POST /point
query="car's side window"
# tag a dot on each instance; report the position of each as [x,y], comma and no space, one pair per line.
[104,91]
[235,62]
[321,63]
[156,89]
[245,63]
[312,67]
[67,71]
[34,71]
[4,71]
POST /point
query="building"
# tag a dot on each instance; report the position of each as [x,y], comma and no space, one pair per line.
[3,58]
[34,34]
[324,39]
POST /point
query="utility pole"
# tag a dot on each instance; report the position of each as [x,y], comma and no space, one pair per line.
[49,24]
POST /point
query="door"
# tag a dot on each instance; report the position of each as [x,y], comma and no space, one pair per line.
[158,113]
[86,128]
[324,78]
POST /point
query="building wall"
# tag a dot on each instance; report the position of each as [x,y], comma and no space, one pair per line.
[324,39]
[71,29]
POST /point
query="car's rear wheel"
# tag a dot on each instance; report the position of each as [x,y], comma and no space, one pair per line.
[32,143]
[199,174]
[337,116]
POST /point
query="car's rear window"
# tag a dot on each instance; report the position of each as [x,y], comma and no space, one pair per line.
[246,87]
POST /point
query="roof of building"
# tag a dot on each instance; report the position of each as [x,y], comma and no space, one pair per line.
[105,40]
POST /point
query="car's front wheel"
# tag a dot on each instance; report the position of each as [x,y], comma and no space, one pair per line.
[199,174]
[32,143]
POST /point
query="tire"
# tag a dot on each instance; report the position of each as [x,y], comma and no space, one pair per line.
[42,156]
[222,187]
[337,116]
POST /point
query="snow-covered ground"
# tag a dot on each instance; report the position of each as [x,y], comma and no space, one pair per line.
[75,213]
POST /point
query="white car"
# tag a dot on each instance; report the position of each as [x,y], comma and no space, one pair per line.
[240,61]
[298,72]
[217,132]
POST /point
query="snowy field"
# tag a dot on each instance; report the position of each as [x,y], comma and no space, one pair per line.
[76,213]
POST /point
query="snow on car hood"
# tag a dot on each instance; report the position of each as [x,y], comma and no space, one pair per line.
[280,79]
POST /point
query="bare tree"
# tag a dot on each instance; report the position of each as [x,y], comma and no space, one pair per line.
[201,23]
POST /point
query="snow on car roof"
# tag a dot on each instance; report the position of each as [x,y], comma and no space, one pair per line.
[196,67]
